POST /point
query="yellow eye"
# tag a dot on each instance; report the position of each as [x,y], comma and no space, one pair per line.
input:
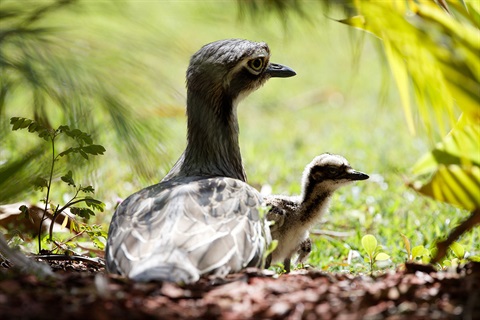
[256,64]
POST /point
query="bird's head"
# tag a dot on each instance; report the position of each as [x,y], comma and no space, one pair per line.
[328,172]
[231,69]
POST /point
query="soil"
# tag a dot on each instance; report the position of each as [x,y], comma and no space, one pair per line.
[83,290]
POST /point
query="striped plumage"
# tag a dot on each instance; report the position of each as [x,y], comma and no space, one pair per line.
[203,217]
[294,216]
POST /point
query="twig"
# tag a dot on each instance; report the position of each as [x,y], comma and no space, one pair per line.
[465,226]
[330,233]
[65,257]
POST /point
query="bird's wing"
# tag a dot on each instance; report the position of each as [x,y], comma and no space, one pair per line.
[276,214]
[280,208]
[177,231]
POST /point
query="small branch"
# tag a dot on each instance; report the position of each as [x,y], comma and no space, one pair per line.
[71,203]
[59,211]
[48,195]
[65,257]
[77,235]
[465,226]
[330,233]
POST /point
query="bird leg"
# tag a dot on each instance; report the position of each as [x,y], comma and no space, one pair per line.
[268,261]
[304,250]
[286,265]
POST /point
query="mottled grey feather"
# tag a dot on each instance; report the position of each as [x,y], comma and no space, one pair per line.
[193,226]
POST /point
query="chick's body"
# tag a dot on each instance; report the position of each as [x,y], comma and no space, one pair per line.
[294,216]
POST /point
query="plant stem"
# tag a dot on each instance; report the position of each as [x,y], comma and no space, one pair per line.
[58,211]
[48,195]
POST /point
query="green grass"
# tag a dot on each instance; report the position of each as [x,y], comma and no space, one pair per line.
[336,103]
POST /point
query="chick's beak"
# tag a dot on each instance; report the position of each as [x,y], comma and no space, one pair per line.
[276,70]
[356,175]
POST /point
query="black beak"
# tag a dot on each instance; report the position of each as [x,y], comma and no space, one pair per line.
[276,70]
[356,175]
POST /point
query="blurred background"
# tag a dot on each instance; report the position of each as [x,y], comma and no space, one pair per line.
[117,71]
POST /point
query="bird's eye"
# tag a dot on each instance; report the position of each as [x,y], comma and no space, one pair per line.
[331,171]
[256,64]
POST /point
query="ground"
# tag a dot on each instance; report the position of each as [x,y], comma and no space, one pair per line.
[82,290]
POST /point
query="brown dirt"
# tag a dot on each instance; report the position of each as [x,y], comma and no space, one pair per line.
[82,290]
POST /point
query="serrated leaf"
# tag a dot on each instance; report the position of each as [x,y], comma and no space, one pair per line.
[458,250]
[33,127]
[88,189]
[382,256]
[93,149]
[68,151]
[68,178]
[40,183]
[82,212]
[64,129]
[83,154]
[94,203]
[19,123]
[98,243]
[369,243]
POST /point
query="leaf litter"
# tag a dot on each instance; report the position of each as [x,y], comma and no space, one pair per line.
[84,290]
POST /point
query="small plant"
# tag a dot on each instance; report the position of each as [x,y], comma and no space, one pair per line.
[84,147]
[417,253]
[458,256]
[373,250]
[455,256]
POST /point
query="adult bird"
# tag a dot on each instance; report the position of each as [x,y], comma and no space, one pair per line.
[294,216]
[203,217]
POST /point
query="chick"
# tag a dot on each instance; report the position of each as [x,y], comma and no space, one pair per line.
[293,216]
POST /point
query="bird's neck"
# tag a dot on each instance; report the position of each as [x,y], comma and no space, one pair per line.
[212,138]
[314,203]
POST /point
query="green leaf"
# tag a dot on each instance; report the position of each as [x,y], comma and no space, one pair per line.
[68,178]
[369,243]
[93,149]
[82,212]
[458,250]
[406,242]
[65,221]
[460,147]
[24,210]
[458,185]
[19,123]
[40,183]
[83,154]
[64,129]
[67,152]
[88,189]
[94,203]
[98,243]
[381,256]
[418,252]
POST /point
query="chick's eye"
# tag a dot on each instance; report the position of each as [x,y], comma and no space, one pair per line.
[331,171]
[256,64]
